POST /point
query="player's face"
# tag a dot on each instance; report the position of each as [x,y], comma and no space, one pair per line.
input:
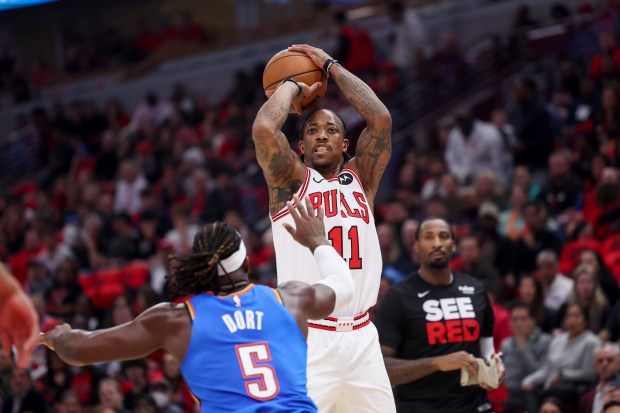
[435,245]
[323,140]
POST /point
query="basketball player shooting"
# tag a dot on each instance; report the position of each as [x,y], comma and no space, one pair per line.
[241,347]
[345,366]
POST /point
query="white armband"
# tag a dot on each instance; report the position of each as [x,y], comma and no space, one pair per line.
[335,274]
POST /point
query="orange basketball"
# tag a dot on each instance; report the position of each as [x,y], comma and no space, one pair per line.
[297,66]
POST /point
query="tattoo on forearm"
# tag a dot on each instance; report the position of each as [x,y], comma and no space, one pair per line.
[361,96]
[279,196]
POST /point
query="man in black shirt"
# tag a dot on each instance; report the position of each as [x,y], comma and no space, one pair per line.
[432,325]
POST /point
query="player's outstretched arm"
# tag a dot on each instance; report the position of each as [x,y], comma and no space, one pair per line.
[403,371]
[160,326]
[19,323]
[336,287]
[283,170]
[374,146]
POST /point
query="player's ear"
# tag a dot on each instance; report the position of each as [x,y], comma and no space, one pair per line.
[246,265]
[345,144]
[301,145]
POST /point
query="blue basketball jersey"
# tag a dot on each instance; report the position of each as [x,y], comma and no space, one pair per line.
[246,354]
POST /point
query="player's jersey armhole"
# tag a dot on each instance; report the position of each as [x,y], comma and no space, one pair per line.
[301,192]
[190,310]
[278,296]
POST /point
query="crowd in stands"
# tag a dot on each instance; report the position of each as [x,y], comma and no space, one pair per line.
[532,192]
[21,81]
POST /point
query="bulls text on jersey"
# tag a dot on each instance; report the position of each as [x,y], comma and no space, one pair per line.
[329,199]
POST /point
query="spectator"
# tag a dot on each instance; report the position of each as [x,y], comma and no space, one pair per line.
[524,353]
[411,44]
[530,291]
[25,397]
[606,367]
[161,392]
[552,405]
[533,128]
[569,370]
[523,177]
[472,147]
[609,54]
[53,253]
[587,293]
[496,249]
[182,234]
[511,221]
[485,272]
[135,372]
[123,245]
[69,402]
[561,191]
[128,188]
[556,286]
[355,49]
[394,263]
[65,291]
[110,395]
[534,238]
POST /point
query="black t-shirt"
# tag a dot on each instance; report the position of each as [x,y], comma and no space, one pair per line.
[420,320]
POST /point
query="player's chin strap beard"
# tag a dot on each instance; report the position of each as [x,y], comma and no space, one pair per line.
[345,158]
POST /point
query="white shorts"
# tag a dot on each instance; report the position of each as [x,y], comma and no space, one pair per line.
[346,372]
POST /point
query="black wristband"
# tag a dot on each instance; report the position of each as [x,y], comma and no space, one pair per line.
[328,65]
[296,84]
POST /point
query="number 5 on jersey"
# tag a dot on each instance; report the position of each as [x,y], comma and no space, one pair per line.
[335,236]
[261,382]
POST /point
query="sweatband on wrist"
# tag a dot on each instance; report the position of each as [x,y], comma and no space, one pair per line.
[296,84]
[335,274]
[328,65]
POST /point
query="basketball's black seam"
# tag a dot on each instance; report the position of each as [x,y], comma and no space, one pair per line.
[284,57]
[296,74]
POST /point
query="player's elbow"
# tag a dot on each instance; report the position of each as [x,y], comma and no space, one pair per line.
[383,120]
[262,129]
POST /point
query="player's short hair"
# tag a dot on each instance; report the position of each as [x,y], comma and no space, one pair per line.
[345,131]
[197,272]
[418,230]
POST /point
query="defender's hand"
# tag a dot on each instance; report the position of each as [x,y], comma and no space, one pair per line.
[309,230]
[47,339]
[19,327]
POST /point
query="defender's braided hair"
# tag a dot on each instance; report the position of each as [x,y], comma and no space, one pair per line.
[197,272]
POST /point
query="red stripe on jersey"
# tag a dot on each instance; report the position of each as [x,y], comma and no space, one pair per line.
[302,192]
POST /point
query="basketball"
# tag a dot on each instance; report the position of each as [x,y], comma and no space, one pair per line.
[297,66]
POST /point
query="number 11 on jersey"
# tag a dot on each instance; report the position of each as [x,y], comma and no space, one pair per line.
[335,235]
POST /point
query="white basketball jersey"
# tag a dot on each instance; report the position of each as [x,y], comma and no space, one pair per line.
[350,228]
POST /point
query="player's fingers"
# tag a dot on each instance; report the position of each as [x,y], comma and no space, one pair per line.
[300,206]
[321,213]
[315,86]
[292,211]
[287,227]
[309,205]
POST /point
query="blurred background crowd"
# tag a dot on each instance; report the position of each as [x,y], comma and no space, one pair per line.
[513,138]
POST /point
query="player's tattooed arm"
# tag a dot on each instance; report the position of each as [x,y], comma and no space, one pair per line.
[402,371]
[282,168]
[374,146]
[279,196]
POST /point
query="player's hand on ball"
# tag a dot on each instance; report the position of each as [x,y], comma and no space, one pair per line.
[309,229]
[457,361]
[47,339]
[318,56]
[305,92]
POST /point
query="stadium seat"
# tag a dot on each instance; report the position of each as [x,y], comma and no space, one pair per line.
[135,275]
